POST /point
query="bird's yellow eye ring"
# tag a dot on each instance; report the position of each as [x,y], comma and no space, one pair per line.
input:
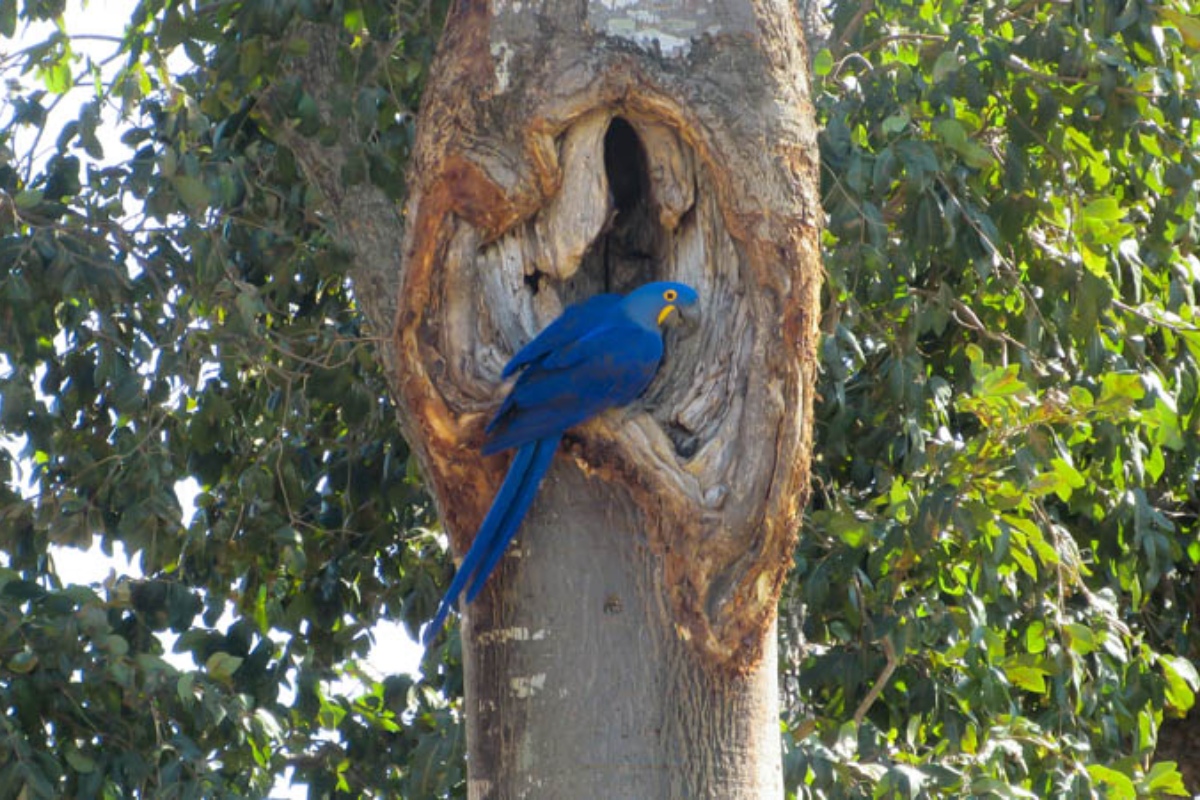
[669,295]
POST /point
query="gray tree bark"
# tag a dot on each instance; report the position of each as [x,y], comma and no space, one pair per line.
[625,646]
[595,694]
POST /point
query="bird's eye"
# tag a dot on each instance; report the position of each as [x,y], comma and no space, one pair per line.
[669,295]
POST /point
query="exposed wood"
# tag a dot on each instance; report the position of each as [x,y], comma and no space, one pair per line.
[625,647]
[511,218]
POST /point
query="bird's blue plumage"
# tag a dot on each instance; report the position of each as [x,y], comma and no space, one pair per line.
[542,455]
[608,366]
[597,355]
[562,331]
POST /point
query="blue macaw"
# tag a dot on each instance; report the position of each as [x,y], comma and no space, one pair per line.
[598,354]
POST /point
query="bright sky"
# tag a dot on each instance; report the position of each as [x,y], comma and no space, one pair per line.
[393,650]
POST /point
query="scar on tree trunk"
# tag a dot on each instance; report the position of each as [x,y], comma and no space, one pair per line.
[547,170]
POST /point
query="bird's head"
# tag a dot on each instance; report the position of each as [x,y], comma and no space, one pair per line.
[654,304]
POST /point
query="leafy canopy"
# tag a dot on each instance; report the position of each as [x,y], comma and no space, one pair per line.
[181,312]
[998,574]
[995,590]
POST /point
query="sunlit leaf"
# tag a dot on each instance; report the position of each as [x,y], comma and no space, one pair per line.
[1117,784]
[221,666]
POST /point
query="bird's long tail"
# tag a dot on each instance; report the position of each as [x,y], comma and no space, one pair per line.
[503,519]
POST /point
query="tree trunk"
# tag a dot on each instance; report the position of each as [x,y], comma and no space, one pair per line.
[577,684]
[625,646]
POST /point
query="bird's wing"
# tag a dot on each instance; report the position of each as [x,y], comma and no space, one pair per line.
[608,366]
[574,322]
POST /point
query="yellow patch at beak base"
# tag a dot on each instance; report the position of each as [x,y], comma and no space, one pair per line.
[666,312]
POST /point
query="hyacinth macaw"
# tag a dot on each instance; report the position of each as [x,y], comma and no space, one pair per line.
[598,354]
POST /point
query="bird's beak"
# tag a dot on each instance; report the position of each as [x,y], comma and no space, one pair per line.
[686,316]
[690,313]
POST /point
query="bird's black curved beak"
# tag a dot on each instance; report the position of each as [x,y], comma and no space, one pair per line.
[686,317]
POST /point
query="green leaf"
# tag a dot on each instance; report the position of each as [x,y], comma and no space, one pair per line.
[1063,479]
[24,590]
[1031,679]
[1187,25]
[192,191]
[850,529]
[946,64]
[185,688]
[36,783]
[823,63]
[1024,561]
[1105,209]
[1120,390]
[896,123]
[1182,681]
[954,135]
[991,786]
[8,18]
[152,665]
[1080,638]
[1119,785]
[80,762]
[23,662]
[1164,778]
[56,77]
[1035,639]
[221,666]
[116,645]
[28,199]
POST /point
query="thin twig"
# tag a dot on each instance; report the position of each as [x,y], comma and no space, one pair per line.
[880,683]
[852,27]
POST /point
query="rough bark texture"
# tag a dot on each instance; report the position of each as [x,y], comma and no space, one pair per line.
[593,696]
[625,647]
[554,162]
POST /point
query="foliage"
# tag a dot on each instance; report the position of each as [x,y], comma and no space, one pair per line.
[996,589]
[180,312]
[1003,539]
